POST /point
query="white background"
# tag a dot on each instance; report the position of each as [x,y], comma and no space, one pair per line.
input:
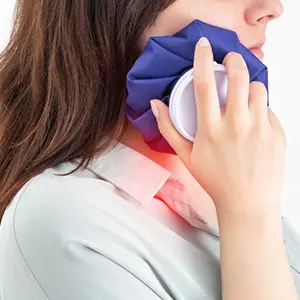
[282,58]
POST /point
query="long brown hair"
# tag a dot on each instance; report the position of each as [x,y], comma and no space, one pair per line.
[62,82]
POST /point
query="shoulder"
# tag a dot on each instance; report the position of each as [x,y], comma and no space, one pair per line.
[53,213]
[47,193]
[55,201]
[74,231]
[62,189]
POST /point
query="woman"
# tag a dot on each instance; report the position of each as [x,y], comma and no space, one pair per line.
[85,235]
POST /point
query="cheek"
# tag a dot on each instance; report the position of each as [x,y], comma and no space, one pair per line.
[221,14]
[226,14]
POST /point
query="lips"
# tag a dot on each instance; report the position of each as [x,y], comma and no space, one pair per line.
[258,52]
[257,49]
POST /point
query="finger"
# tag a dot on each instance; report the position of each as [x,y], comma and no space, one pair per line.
[182,146]
[277,127]
[274,122]
[238,87]
[207,100]
[258,98]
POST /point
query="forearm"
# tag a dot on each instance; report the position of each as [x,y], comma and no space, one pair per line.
[253,258]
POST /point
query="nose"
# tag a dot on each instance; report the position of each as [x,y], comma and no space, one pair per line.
[263,11]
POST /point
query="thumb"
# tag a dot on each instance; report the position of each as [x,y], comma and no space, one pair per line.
[182,146]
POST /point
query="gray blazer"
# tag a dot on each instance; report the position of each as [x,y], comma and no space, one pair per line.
[82,238]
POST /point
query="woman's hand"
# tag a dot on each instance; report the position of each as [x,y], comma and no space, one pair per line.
[238,157]
[238,152]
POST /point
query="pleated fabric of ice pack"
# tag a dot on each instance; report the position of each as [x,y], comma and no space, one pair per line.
[164,61]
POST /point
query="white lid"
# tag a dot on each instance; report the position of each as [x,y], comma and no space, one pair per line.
[182,104]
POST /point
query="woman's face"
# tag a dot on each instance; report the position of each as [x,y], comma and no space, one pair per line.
[249,18]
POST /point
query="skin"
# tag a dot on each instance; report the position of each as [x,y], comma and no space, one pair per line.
[249,18]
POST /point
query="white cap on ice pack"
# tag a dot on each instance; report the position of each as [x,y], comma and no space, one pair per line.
[182,105]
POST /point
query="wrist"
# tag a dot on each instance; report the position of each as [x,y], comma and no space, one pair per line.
[250,222]
[250,208]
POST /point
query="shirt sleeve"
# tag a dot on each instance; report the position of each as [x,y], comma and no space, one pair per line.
[292,246]
[77,246]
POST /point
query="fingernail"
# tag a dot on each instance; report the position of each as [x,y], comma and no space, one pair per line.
[154,109]
[203,42]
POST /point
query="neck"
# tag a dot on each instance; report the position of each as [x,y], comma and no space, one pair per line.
[134,139]
[198,197]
